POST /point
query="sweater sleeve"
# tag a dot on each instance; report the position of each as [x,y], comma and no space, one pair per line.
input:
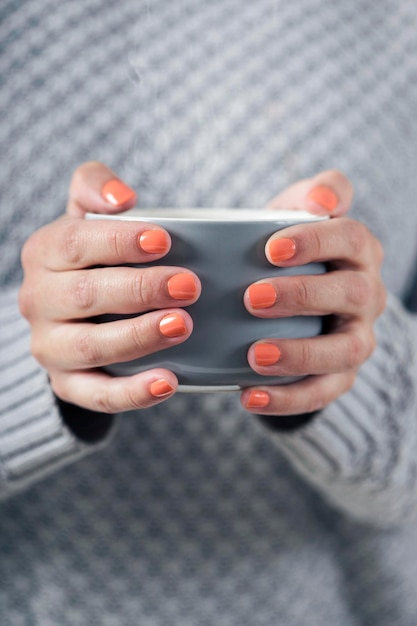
[361,451]
[35,437]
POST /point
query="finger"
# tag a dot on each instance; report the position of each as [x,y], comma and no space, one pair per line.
[344,242]
[305,396]
[100,392]
[95,187]
[87,345]
[124,290]
[344,292]
[69,244]
[326,354]
[328,193]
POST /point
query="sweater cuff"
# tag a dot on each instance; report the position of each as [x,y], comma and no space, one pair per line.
[34,439]
[360,434]
[287,423]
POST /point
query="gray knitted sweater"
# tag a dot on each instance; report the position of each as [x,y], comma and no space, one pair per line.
[194,513]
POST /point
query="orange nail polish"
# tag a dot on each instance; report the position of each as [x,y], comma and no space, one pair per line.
[161,388]
[172,325]
[322,197]
[266,354]
[117,193]
[281,250]
[182,287]
[153,241]
[257,400]
[262,295]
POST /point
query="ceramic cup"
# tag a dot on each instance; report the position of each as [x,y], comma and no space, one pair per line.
[225,248]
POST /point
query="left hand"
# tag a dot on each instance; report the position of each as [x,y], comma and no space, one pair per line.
[351,292]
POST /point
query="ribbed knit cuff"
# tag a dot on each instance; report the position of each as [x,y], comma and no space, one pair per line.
[366,441]
[34,439]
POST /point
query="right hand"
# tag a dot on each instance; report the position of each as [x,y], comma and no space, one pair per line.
[74,270]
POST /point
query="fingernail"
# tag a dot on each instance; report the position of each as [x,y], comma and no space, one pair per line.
[182,287]
[281,250]
[322,197]
[153,241]
[172,325]
[262,295]
[257,400]
[266,354]
[117,193]
[161,388]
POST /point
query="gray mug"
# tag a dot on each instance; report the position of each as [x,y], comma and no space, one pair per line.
[226,249]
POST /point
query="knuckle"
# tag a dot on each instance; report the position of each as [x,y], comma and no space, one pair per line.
[357,235]
[133,400]
[302,291]
[316,399]
[141,289]
[102,400]
[58,386]
[350,380]
[83,291]
[61,386]
[26,300]
[345,382]
[360,292]
[312,401]
[314,244]
[358,351]
[37,348]
[306,357]
[72,249]
[118,243]
[86,349]
[367,292]
[29,251]
[137,337]
[287,402]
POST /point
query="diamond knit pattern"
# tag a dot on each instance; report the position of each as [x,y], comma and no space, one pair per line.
[191,515]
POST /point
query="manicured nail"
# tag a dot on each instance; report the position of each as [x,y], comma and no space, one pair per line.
[322,197]
[172,325]
[281,250]
[266,354]
[262,295]
[161,388]
[257,400]
[117,193]
[153,241]
[182,287]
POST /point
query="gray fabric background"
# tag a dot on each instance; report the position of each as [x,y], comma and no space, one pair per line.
[191,515]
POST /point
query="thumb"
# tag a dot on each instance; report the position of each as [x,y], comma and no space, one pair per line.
[327,193]
[95,188]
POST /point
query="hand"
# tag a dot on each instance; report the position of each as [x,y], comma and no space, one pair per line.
[72,272]
[351,293]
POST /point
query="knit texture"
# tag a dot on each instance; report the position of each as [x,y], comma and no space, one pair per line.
[194,512]
[34,439]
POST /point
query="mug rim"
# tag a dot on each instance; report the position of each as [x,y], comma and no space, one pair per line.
[208,214]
